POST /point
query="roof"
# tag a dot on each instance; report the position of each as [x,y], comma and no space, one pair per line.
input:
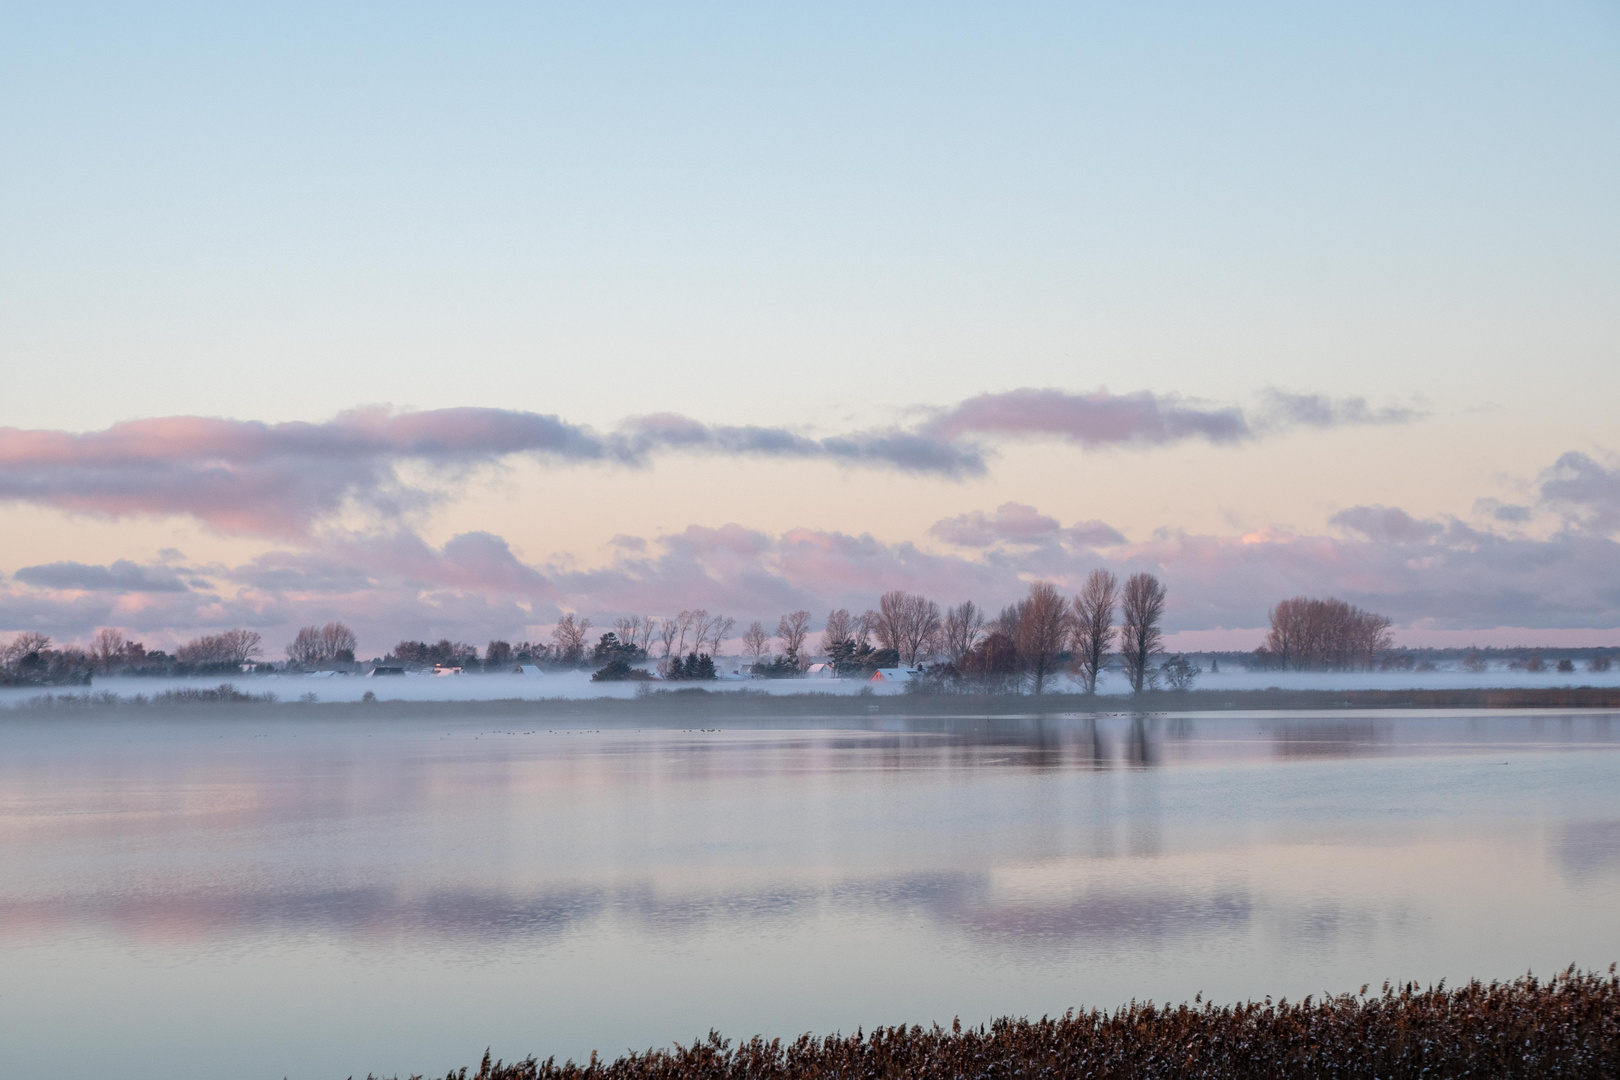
[892,674]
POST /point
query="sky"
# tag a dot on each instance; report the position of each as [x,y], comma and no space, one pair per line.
[446,319]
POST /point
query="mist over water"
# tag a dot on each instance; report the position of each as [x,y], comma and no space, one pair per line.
[273,896]
[419,686]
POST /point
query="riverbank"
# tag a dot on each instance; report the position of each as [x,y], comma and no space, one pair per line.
[692,703]
[1567,1027]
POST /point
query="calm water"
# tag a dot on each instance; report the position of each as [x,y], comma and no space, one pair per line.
[288,898]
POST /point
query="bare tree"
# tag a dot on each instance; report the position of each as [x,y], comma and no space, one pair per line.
[702,626]
[667,629]
[235,647]
[792,629]
[906,623]
[497,654]
[1308,634]
[1094,625]
[338,641]
[841,626]
[685,620]
[993,663]
[240,646]
[961,630]
[23,645]
[1139,638]
[625,627]
[719,630]
[644,633]
[107,647]
[1043,628]
[921,638]
[887,619]
[570,634]
[306,647]
[755,640]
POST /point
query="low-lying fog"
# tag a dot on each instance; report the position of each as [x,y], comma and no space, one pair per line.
[578,684]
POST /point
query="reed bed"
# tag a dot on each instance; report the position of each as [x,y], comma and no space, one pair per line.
[1568,1026]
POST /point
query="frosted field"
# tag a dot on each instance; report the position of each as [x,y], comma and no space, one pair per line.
[423,687]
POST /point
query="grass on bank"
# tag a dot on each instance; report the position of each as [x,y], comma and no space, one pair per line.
[1567,1027]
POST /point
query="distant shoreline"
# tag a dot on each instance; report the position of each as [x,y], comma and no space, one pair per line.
[744,704]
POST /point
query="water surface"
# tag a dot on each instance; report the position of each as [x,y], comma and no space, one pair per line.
[304,898]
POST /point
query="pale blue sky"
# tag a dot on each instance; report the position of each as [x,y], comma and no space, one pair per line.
[823,217]
[483,204]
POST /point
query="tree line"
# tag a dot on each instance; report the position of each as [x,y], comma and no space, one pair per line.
[1106,625]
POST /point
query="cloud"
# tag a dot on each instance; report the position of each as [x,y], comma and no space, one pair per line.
[907,451]
[1091,420]
[1585,491]
[1509,513]
[1282,409]
[255,478]
[1389,524]
[121,576]
[1012,522]
[1020,524]
[1437,573]
[247,477]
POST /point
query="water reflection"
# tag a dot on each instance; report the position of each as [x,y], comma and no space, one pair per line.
[1590,850]
[923,865]
[1332,738]
[962,903]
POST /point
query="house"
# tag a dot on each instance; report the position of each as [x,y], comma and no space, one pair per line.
[376,671]
[527,669]
[893,675]
[821,671]
[440,669]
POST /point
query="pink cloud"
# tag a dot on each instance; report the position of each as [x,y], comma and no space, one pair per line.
[1021,524]
[279,480]
[1433,573]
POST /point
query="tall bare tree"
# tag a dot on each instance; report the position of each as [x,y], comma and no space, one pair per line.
[1094,625]
[338,642]
[907,623]
[625,627]
[921,631]
[306,647]
[961,630]
[887,619]
[719,630]
[570,634]
[23,645]
[1309,634]
[107,647]
[644,633]
[792,629]
[841,626]
[1042,631]
[240,646]
[1141,608]
[755,640]
[667,629]
[685,620]
[702,626]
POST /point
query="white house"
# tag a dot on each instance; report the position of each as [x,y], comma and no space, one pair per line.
[527,669]
[821,671]
[892,675]
[439,669]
